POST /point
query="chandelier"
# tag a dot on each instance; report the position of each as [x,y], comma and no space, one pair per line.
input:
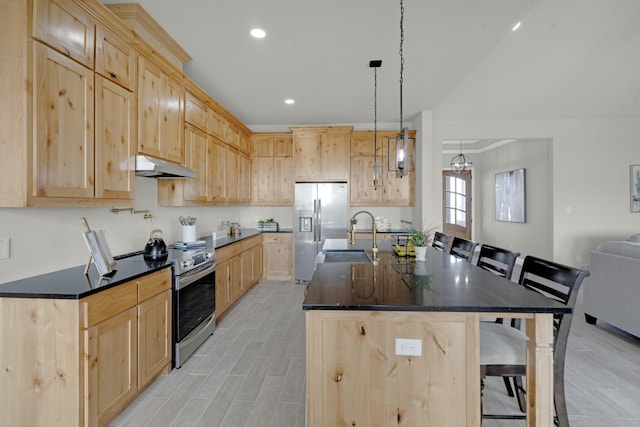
[460,163]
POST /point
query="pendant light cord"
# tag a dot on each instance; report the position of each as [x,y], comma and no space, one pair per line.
[375,64]
[401,58]
[375,112]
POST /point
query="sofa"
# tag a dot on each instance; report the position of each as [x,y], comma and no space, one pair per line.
[612,292]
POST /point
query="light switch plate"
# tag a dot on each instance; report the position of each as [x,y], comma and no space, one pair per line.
[5,247]
[408,347]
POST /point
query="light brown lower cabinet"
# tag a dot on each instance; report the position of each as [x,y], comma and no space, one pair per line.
[278,256]
[223,299]
[238,269]
[154,336]
[250,267]
[111,365]
[81,362]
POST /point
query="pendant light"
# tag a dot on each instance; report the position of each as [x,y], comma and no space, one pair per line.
[461,163]
[375,64]
[399,162]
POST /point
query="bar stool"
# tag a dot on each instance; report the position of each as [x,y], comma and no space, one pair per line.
[503,348]
[501,262]
[497,260]
[440,241]
[463,248]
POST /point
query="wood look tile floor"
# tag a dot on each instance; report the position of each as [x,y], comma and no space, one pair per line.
[251,372]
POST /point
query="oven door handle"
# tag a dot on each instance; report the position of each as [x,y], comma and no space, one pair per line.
[190,278]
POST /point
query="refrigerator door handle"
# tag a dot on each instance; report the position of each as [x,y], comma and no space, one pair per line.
[315,219]
[319,221]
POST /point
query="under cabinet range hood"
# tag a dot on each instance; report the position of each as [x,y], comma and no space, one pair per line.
[156,168]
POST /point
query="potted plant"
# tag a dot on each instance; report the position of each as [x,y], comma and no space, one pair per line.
[420,239]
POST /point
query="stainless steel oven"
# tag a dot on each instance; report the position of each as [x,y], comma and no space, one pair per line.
[194,302]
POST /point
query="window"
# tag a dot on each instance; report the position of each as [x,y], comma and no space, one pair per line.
[456,201]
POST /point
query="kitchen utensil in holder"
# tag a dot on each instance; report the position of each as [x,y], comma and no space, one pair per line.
[188,233]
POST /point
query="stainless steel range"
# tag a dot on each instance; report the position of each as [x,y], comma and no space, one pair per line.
[194,299]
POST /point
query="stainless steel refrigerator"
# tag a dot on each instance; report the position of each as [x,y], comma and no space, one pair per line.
[321,210]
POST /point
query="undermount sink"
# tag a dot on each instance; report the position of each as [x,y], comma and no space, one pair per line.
[351,256]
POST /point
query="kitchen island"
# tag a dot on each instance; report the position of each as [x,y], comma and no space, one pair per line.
[356,312]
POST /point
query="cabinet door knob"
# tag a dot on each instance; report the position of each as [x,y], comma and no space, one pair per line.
[113,76]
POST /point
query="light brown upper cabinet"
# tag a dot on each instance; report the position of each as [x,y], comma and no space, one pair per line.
[217,176]
[63,138]
[321,153]
[392,190]
[66,27]
[196,112]
[160,113]
[272,171]
[237,177]
[244,178]
[197,158]
[115,140]
[213,150]
[75,73]
[72,128]
[223,174]
[361,188]
[232,170]
[115,58]
[217,125]
[245,143]
[232,137]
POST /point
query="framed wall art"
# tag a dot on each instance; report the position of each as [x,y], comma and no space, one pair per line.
[510,196]
[634,172]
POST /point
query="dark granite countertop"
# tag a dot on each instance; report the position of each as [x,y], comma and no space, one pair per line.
[441,283]
[72,283]
[245,233]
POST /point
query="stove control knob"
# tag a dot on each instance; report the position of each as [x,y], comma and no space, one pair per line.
[208,255]
[187,263]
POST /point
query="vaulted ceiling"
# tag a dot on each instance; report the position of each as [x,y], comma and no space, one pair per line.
[569,58]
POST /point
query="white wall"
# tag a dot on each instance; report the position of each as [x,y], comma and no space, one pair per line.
[535,236]
[49,239]
[590,175]
[428,151]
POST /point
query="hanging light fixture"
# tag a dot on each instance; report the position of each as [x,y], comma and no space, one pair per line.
[375,64]
[399,162]
[461,163]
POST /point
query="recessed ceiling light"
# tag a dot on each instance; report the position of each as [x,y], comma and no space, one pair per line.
[258,33]
[289,101]
[515,27]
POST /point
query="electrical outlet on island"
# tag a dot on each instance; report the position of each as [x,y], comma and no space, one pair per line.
[408,347]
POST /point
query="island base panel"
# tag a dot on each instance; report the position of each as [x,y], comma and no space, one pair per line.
[355,378]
